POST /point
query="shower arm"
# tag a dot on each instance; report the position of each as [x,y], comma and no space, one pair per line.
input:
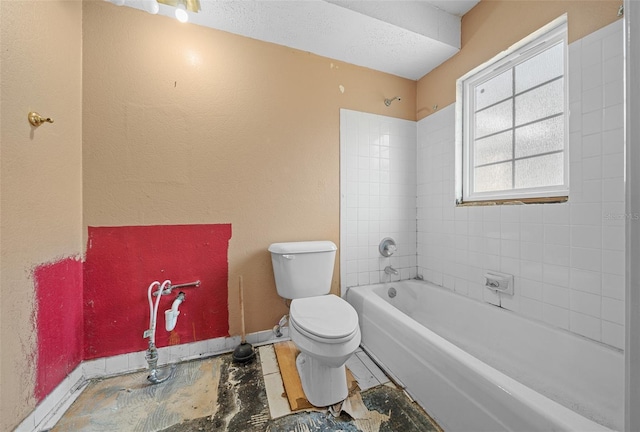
[387,102]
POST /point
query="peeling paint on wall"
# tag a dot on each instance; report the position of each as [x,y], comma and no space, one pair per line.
[122,262]
[59,325]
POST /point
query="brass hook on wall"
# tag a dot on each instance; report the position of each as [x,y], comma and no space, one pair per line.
[36,119]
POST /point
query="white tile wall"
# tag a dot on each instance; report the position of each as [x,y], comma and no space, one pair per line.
[568,259]
[378,196]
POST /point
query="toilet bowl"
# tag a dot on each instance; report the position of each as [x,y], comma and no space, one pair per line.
[325,330]
[323,326]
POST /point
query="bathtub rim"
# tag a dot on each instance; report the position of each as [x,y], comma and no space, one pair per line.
[511,313]
[540,404]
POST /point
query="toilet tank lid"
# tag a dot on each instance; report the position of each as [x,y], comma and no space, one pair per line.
[302,247]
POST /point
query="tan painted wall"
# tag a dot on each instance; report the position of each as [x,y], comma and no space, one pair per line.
[40,175]
[493,26]
[185,124]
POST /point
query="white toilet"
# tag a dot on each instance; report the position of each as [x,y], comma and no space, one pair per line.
[323,326]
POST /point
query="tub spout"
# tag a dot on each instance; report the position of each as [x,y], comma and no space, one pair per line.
[390,270]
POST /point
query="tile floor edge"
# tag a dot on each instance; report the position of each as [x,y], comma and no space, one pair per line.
[46,414]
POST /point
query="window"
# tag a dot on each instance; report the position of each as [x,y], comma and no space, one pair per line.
[512,122]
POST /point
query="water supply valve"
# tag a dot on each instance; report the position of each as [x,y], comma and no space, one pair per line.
[499,282]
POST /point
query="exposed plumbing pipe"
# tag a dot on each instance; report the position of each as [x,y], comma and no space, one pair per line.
[152,353]
[277,330]
[150,333]
[155,309]
[171,315]
[177,301]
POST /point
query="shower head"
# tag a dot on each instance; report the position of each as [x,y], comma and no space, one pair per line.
[387,102]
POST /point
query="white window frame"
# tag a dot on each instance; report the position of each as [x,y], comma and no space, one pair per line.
[551,34]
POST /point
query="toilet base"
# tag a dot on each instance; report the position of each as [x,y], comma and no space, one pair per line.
[322,385]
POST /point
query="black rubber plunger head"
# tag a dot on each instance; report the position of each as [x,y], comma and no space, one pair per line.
[243,353]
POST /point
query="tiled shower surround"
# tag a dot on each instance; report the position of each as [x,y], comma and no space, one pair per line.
[378,196]
[568,259]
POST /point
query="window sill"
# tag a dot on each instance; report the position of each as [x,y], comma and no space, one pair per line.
[514,201]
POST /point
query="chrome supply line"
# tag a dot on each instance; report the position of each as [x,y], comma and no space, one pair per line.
[171,287]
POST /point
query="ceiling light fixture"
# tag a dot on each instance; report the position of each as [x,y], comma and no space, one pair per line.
[151,6]
[181,13]
[182,6]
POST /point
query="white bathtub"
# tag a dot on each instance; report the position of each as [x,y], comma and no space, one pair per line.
[477,367]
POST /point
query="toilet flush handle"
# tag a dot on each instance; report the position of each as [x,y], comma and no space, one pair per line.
[289,257]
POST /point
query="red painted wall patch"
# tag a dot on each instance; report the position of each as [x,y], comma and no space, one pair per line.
[120,264]
[58,288]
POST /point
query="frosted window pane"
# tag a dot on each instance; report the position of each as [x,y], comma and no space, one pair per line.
[496,89]
[543,67]
[495,148]
[541,137]
[493,178]
[545,170]
[541,102]
[494,119]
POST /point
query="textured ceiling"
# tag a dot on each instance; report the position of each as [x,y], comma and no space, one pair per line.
[400,37]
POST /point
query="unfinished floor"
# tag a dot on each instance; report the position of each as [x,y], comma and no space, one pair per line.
[214,394]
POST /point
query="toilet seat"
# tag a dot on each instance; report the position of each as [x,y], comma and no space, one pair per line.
[326,318]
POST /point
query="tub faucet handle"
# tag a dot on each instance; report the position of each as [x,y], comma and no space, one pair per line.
[387,247]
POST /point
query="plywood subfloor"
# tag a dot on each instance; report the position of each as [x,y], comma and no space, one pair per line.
[286,353]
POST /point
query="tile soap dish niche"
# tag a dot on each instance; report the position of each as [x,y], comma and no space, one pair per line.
[499,282]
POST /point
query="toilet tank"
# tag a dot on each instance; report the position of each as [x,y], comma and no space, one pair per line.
[303,269]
